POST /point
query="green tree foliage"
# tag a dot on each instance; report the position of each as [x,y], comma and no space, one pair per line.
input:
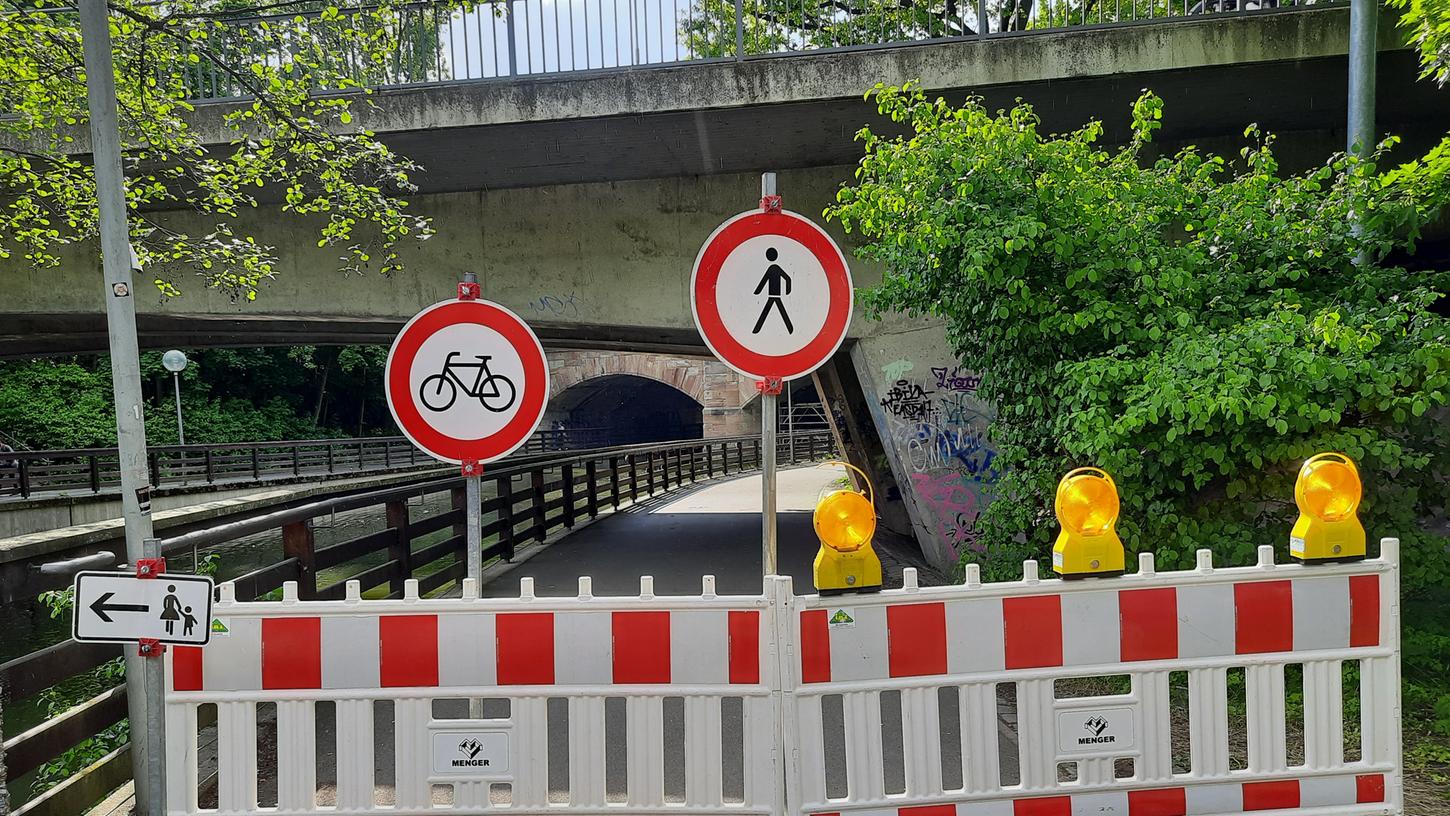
[1426,24]
[1193,325]
[228,395]
[283,140]
[1196,327]
[780,25]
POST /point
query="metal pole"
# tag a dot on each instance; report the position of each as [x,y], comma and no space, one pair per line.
[768,420]
[509,32]
[1363,22]
[143,675]
[739,29]
[176,388]
[474,532]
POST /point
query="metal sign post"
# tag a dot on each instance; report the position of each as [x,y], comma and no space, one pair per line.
[769,401]
[143,674]
[771,295]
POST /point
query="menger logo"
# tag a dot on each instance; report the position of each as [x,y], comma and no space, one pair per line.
[1096,726]
[470,748]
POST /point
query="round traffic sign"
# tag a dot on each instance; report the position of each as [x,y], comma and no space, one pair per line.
[771,294]
[467,380]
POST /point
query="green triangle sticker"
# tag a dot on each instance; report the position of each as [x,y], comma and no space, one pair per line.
[842,618]
[219,627]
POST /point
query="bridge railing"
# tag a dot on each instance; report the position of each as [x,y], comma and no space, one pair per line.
[444,42]
[96,470]
[522,504]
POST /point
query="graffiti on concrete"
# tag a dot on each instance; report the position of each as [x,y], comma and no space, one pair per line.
[956,378]
[955,507]
[907,400]
[897,369]
[938,428]
[556,305]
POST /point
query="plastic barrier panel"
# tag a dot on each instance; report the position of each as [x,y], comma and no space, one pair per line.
[531,704]
[1207,692]
[1054,698]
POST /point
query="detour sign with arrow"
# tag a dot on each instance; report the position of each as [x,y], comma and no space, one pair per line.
[117,607]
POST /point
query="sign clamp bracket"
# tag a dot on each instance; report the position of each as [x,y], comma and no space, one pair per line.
[148,569]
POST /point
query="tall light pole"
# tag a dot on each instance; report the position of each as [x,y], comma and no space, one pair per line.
[175,362]
[143,674]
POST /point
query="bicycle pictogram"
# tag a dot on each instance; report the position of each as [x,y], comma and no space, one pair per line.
[494,391]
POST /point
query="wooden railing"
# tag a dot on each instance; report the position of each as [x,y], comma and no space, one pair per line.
[523,503]
[96,470]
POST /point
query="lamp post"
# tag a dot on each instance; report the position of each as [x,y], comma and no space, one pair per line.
[175,362]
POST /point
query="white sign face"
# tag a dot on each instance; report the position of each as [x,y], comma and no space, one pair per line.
[467,380]
[113,607]
[773,295]
[1106,731]
[466,377]
[474,752]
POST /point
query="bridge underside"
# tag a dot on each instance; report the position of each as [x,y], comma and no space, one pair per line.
[581,199]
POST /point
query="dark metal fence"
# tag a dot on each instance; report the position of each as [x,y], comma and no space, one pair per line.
[441,43]
[523,503]
[96,470]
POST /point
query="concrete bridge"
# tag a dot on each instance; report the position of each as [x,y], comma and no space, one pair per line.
[581,198]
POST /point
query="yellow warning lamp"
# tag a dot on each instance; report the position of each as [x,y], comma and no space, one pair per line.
[1087,509]
[845,520]
[1328,493]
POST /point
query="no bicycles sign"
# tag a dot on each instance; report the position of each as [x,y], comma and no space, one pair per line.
[466,380]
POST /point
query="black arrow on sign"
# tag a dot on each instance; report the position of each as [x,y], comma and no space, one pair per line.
[100,607]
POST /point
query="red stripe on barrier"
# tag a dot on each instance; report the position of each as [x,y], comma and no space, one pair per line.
[291,653]
[744,646]
[928,810]
[1271,795]
[1369,788]
[1161,802]
[916,639]
[408,650]
[815,647]
[1032,627]
[186,669]
[1148,623]
[525,648]
[641,647]
[1364,610]
[1043,806]
[1264,617]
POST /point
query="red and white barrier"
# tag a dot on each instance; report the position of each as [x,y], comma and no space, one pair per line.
[840,700]
[923,646]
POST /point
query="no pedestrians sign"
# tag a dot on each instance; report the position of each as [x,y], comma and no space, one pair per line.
[771,294]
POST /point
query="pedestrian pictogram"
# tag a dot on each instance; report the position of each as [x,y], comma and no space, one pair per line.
[467,381]
[771,294]
[774,278]
[116,607]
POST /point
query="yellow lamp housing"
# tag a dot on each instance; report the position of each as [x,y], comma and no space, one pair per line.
[1087,509]
[1328,492]
[844,521]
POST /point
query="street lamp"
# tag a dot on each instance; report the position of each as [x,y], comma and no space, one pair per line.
[175,362]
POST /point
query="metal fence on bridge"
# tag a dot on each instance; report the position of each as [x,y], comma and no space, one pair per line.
[507,38]
[837,693]
[94,470]
[523,502]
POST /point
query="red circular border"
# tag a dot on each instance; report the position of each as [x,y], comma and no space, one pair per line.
[706,309]
[532,401]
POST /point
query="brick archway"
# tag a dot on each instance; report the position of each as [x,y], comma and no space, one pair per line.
[684,375]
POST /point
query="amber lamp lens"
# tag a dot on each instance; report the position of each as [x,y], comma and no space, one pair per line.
[1330,490]
[1087,505]
[845,520]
